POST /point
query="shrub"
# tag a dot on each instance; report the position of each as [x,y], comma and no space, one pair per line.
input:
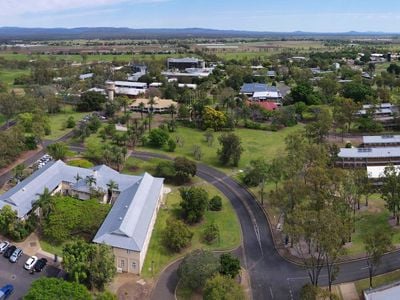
[211,233]
[222,287]
[215,203]
[30,142]
[171,145]
[176,235]
[71,122]
[158,138]
[194,204]
[230,265]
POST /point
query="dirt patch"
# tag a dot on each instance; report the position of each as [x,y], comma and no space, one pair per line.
[130,287]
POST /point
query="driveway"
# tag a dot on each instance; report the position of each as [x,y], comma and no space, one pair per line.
[20,278]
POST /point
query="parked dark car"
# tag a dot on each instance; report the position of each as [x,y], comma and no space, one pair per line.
[10,250]
[40,264]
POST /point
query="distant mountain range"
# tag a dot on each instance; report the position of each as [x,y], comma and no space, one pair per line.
[19,33]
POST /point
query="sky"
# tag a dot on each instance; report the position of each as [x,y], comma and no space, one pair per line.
[257,15]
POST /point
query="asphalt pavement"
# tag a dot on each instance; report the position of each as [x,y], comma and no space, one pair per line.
[271,276]
[21,279]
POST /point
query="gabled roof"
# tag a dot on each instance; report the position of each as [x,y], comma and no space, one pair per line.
[251,88]
[128,222]
[381,139]
[384,152]
[23,195]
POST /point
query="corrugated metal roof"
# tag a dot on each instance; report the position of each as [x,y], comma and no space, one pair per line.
[251,88]
[369,152]
[127,224]
[381,139]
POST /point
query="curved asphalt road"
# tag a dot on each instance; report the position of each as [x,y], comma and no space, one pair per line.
[271,276]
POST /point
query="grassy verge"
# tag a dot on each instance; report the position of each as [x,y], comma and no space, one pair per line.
[2,119]
[256,143]
[54,249]
[82,163]
[57,122]
[376,206]
[377,281]
[230,235]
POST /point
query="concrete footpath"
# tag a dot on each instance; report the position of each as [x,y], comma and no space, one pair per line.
[31,246]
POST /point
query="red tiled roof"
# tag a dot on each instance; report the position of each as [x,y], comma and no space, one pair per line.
[268,105]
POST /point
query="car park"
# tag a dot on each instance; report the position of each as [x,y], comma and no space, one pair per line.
[6,291]
[10,250]
[3,246]
[16,254]
[40,264]
[30,262]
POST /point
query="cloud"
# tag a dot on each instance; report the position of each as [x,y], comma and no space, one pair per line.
[21,7]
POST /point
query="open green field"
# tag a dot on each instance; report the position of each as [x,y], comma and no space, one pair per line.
[91,58]
[57,122]
[256,144]
[230,234]
[8,76]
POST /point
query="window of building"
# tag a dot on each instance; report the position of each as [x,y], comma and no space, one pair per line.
[122,263]
[134,265]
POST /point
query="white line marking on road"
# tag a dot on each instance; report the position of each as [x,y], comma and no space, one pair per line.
[272,294]
[290,289]
[365,268]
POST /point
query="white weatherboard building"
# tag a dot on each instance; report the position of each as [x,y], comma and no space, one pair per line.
[130,222]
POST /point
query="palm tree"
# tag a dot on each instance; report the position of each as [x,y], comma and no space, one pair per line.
[151,109]
[112,186]
[123,101]
[45,203]
[141,107]
[90,180]
[77,177]
[172,110]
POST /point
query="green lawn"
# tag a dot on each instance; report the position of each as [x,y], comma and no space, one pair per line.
[256,144]
[2,119]
[377,281]
[92,58]
[82,163]
[134,166]
[376,206]
[230,233]
[57,122]
[53,249]
[7,76]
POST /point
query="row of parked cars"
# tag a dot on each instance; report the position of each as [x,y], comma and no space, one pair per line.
[13,254]
[41,162]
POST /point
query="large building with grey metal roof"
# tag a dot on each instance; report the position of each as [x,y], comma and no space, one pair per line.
[361,157]
[381,140]
[130,222]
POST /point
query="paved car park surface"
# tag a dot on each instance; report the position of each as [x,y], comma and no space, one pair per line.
[21,279]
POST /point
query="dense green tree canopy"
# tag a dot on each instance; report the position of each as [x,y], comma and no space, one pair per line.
[52,288]
[223,288]
[196,268]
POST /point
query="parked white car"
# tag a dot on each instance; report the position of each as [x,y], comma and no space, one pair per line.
[30,262]
[3,246]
